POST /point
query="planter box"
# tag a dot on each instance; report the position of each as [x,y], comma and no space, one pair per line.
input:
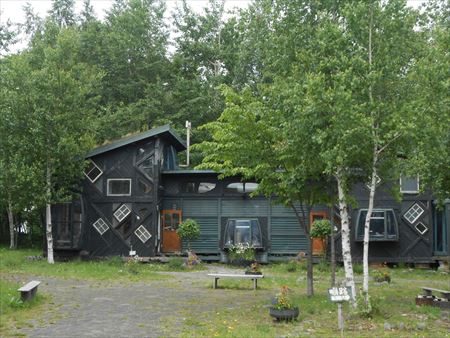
[287,315]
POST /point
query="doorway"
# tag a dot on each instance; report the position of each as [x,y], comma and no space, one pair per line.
[170,220]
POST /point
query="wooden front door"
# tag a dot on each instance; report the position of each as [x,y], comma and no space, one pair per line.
[318,244]
[170,220]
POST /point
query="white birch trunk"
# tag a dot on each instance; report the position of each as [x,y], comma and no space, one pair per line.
[373,184]
[48,219]
[12,242]
[345,233]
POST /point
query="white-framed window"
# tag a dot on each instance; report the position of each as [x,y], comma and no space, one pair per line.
[118,187]
[121,213]
[409,185]
[143,234]
[413,213]
[383,225]
[421,228]
[93,172]
[100,226]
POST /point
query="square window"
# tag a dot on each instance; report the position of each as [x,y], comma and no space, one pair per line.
[413,214]
[121,213]
[119,187]
[93,172]
[409,185]
[143,234]
[421,228]
[100,226]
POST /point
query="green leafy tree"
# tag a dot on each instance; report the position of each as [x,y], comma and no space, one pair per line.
[189,230]
[250,139]
[63,13]
[60,107]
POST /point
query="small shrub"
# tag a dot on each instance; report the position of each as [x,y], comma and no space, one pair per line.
[323,266]
[358,269]
[369,309]
[114,261]
[175,263]
[132,265]
[320,228]
[189,230]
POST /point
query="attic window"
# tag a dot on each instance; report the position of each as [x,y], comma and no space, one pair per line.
[238,187]
[119,187]
[413,213]
[143,234]
[383,225]
[100,226]
[198,187]
[93,172]
[121,213]
[409,185]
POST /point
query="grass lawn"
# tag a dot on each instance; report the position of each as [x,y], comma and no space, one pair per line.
[393,305]
[247,313]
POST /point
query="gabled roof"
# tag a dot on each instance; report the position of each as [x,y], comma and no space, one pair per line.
[163,131]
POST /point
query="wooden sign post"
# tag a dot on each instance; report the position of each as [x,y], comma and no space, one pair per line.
[339,295]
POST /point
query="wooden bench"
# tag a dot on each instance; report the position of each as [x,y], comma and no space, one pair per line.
[29,290]
[428,292]
[216,277]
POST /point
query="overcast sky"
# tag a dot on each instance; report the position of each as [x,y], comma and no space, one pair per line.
[12,9]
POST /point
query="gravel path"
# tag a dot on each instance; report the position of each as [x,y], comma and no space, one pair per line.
[143,309]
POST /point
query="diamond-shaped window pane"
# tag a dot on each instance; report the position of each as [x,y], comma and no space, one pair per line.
[143,234]
[93,172]
[413,214]
[121,213]
[421,228]
[100,226]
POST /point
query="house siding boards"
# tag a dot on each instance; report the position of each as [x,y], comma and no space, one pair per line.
[140,159]
[280,227]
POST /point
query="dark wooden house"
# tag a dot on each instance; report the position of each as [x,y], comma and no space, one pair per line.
[134,196]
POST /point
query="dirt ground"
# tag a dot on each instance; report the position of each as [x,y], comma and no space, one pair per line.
[142,309]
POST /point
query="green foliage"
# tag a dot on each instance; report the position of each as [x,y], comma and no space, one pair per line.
[358,268]
[176,263]
[241,251]
[321,228]
[283,301]
[189,230]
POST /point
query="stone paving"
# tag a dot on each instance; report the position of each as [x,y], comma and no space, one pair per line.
[141,309]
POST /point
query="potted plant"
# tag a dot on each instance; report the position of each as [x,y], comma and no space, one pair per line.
[381,276]
[189,230]
[320,230]
[282,307]
[241,254]
[254,269]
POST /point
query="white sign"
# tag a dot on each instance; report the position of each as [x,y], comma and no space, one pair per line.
[339,294]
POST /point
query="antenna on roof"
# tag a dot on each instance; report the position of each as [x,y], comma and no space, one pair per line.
[188,143]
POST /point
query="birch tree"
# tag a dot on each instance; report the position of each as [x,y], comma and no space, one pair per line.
[60,106]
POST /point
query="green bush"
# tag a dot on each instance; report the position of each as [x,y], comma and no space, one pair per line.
[358,269]
[320,228]
[189,230]
[176,263]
